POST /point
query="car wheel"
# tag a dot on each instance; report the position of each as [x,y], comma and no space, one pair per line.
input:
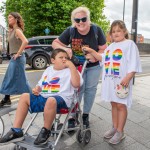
[1,60]
[39,62]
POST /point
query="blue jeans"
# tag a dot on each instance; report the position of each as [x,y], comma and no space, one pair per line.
[88,90]
[15,81]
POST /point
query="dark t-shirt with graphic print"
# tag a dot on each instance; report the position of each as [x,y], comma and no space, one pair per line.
[79,40]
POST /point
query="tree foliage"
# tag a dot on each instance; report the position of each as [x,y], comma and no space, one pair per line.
[55,15]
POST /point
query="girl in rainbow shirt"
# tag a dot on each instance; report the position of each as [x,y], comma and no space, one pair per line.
[120,62]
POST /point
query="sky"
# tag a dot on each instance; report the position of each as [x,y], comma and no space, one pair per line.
[114,11]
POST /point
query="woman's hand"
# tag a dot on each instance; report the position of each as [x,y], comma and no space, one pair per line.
[69,52]
[16,56]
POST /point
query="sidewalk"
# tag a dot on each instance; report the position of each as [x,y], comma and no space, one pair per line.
[137,128]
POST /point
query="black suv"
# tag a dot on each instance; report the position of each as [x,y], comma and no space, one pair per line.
[38,51]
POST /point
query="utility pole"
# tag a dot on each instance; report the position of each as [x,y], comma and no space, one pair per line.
[134,23]
[123,9]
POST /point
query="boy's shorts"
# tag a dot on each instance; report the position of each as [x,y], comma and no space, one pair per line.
[37,103]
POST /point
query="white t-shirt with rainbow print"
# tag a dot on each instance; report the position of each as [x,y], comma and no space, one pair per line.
[119,59]
[57,82]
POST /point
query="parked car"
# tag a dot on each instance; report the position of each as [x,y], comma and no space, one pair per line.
[38,51]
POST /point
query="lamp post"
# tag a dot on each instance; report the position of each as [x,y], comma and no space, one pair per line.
[123,9]
[134,23]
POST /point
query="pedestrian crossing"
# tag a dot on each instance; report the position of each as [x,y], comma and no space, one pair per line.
[3,68]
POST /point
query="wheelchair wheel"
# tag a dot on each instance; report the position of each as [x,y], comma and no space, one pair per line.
[86,137]
[79,137]
[1,127]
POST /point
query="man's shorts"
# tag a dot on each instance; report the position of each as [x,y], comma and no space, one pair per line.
[37,103]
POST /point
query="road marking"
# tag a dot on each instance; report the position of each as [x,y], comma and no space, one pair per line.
[3,68]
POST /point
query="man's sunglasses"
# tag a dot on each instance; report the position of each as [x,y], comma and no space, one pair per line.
[77,20]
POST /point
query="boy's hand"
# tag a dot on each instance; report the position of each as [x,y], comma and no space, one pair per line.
[36,90]
[68,64]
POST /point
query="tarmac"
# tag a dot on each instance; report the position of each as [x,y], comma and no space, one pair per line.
[137,128]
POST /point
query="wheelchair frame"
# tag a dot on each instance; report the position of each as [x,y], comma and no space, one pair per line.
[83,134]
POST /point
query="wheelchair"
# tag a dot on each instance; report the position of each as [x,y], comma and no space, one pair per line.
[83,134]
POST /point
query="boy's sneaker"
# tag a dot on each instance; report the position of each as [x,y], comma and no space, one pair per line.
[5,102]
[86,122]
[117,138]
[11,137]
[43,137]
[110,133]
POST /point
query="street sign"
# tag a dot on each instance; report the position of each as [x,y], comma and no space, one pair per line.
[47,31]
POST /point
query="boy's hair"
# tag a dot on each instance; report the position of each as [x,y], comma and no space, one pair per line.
[121,25]
[56,51]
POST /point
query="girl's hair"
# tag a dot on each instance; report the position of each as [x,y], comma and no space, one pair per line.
[56,51]
[19,19]
[121,25]
[79,10]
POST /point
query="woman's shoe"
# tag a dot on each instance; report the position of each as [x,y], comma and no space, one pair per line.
[5,102]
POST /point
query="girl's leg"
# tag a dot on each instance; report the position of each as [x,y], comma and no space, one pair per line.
[49,112]
[122,116]
[114,114]
[22,110]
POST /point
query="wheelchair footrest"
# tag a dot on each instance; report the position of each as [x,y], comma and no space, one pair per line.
[28,143]
[6,109]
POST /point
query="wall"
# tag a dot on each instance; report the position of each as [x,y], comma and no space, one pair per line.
[144,48]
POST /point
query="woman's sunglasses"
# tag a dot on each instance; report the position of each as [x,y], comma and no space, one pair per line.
[77,20]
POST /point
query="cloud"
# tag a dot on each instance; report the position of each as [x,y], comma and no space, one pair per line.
[114,11]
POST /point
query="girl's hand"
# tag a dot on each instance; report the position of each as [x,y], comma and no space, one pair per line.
[125,81]
[87,49]
[90,57]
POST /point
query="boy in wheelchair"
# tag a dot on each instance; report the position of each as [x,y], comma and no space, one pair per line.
[53,92]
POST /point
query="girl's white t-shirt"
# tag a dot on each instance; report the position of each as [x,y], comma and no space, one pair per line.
[118,60]
[58,82]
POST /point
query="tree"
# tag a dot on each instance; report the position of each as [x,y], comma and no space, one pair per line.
[55,15]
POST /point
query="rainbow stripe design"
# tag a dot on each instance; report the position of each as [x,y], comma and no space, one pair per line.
[116,68]
[52,86]
[55,88]
[117,54]
[44,81]
[54,80]
[107,67]
[106,56]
